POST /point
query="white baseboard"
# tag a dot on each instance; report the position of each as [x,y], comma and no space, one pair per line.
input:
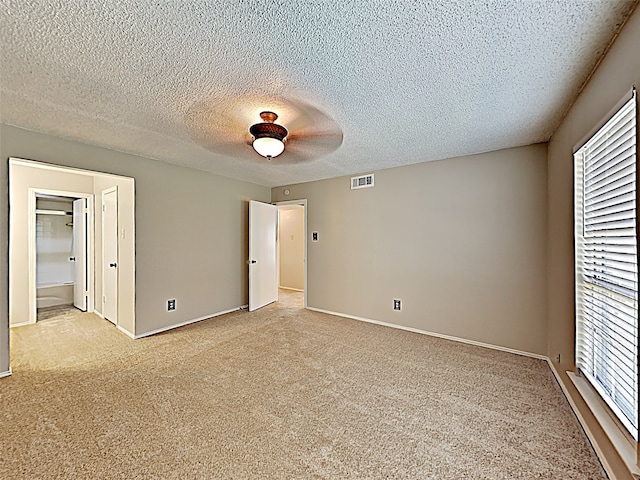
[434,334]
[126,332]
[187,322]
[21,324]
[98,314]
[292,289]
[6,374]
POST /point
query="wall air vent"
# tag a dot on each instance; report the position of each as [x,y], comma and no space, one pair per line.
[363,181]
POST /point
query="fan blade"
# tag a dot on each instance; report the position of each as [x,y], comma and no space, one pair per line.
[217,121]
[307,117]
[221,125]
[323,142]
[303,148]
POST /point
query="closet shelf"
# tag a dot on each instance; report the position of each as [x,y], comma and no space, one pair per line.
[52,212]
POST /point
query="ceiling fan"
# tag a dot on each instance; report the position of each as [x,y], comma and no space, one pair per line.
[268,137]
[230,126]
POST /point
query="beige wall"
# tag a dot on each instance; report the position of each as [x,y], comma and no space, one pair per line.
[615,76]
[291,235]
[462,242]
[191,230]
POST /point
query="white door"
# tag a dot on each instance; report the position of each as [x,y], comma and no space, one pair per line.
[110,254]
[263,272]
[80,244]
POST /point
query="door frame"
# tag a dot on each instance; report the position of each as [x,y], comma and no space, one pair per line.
[104,192]
[31,208]
[303,203]
[80,216]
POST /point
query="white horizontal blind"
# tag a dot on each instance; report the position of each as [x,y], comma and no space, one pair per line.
[606,264]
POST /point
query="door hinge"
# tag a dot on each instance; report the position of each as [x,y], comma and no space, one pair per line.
[104,208]
[104,299]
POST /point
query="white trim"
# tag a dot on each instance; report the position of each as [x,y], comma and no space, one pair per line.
[6,373]
[583,423]
[433,334]
[22,324]
[103,261]
[32,305]
[187,322]
[126,332]
[292,289]
[33,193]
[52,166]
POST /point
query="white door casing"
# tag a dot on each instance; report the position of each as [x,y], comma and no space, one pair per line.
[110,254]
[80,249]
[33,193]
[302,203]
[263,271]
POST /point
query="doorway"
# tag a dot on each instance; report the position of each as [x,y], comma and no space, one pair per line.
[292,246]
[31,181]
[277,251]
[61,243]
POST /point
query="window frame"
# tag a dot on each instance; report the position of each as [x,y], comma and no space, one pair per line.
[629,427]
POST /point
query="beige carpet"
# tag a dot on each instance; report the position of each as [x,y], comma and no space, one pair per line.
[279,393]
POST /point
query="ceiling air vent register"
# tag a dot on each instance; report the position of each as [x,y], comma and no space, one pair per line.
[363,181]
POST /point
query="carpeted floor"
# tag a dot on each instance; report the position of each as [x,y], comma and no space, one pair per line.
[279,393]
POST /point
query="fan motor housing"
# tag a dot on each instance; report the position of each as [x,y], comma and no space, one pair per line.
[271,130]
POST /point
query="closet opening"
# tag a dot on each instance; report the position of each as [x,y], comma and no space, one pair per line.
[62,249]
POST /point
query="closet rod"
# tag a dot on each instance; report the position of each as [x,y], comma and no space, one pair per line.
[52,212]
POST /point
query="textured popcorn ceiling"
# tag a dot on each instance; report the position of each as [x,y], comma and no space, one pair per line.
[404,81]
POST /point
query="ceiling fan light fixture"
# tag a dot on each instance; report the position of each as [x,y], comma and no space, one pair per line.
[268,136]
[268,147]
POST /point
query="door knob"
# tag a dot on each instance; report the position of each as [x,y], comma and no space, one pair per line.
[253,261]
[72,259]
[112,265]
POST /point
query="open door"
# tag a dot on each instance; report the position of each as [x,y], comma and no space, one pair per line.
[263,271]
[110,254]
[80,249]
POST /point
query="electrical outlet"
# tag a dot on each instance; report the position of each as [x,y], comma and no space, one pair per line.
[396,305]
[171,304]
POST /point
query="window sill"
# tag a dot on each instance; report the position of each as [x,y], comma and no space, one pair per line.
[625,448]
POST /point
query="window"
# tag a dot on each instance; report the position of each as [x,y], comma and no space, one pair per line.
[606,264]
